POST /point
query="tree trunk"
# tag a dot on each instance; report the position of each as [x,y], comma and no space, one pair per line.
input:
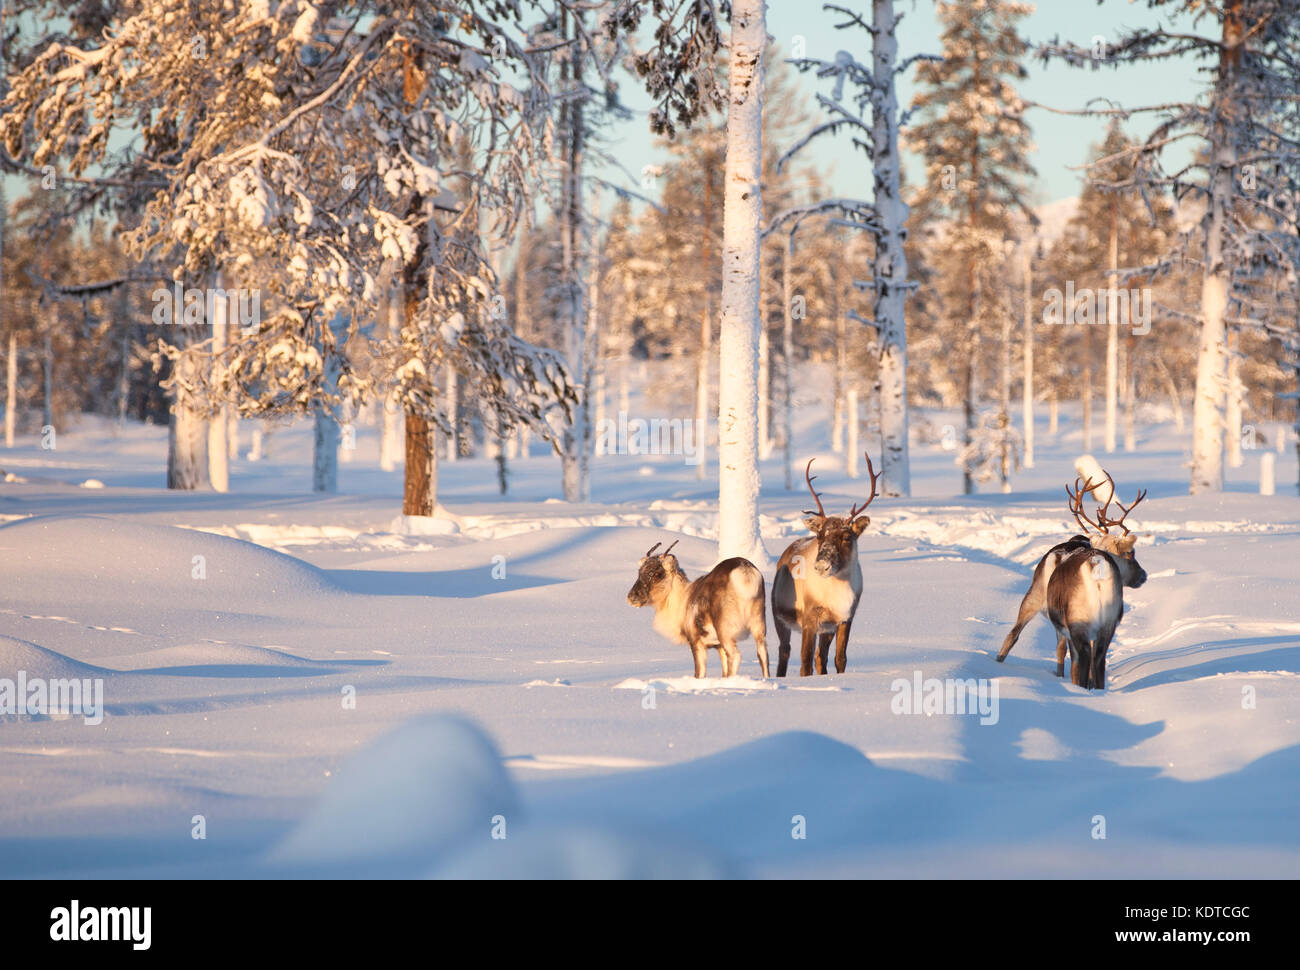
[391,415]
[11,389]
[841,368]
[420,493]
[1027,392]
[764,388]
[218,445]
[1112,337]
[453,414]
[702,390]
[852,414]
[890,270]
[187,439]
[325,443]
[972,351]
[574,437]
[1232,414]
[1085,391]
[1004,412]
[1130,395]
[787,361]
[738,474]
[1216,281]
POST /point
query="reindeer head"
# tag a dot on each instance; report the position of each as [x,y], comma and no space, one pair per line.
[1119,546]
[837,537]
[654,576]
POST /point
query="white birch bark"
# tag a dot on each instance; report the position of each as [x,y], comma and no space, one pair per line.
[738,474]
[187,440]
[787,362]
[1112,338]
[1027,399]
[701,391]
[890,272]
[11,389]
[218,445]
[1232,416]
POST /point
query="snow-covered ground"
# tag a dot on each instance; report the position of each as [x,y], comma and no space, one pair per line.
[333,692]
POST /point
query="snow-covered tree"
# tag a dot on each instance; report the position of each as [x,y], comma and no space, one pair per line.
[871,118]
[298,156]
[1243,177]
[975,144]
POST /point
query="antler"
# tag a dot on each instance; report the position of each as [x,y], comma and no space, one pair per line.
[1076,506]
[855,511]
[816,498]
[669,549]
[651,550]
[1106,520]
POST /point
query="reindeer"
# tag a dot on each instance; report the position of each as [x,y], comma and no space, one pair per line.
[1096,537]
[1084,593]
[722,607]
[819,582]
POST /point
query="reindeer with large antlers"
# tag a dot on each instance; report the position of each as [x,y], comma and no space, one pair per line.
[722,607]
[1079,584]
[819,582]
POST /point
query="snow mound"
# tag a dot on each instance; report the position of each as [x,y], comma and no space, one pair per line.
[37,661]
[544,853]
[432,783]
[174,565]
[92,483]
[225,659]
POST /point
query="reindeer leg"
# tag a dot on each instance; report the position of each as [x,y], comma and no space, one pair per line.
[700,652]
[783,645]
[1060,655]
[1080,659]
[1029,608]
[730,658]
[758,631]
[809,647]
[842,646]
[823,651]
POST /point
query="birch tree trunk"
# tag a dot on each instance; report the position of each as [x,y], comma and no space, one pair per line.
[738,475]
[1130,395]
[1085,391]
[1211,360]
[1004,415]
[1112,337]
[701,390]
[1027,393]
[764,391]
[326,436]
[1232,414]
[218,445]
[852,415]
[890,270]
[187,438]
[11,389]
[575,436]
[787,361]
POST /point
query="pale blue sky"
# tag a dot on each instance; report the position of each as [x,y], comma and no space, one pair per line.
[1060,141]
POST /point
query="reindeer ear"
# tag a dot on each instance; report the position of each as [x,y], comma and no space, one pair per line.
[814,523]
[1127,543]
[670,563]
[860,525]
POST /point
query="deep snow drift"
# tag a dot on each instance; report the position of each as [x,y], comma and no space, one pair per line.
[316,688]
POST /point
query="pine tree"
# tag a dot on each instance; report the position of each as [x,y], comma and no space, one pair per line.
[974,141]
